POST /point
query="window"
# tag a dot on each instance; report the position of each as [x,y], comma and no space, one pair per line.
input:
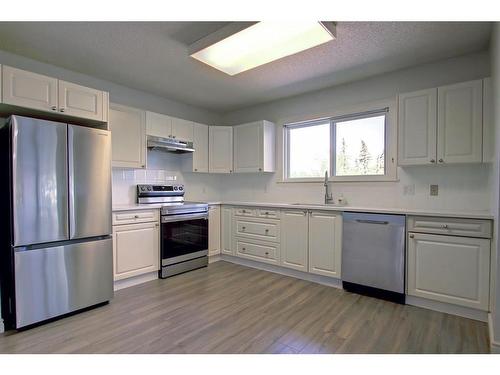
[348,147]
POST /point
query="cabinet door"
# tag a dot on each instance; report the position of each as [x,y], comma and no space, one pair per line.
[449,269]
[214,230]
[294,239]
[417,127]
[128,136]
[488,122]
[248,147]
[226,234]
[136,249]
[27,89]
[200,145]
[325,244]
[182,129]
[460,123]
[220,148]
[80,101]
[158,125]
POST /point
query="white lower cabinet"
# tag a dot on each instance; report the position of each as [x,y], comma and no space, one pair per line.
[325,243]
[257,250]
[136,249]
[294,239]
[226,233]
[449,269]
[214,230]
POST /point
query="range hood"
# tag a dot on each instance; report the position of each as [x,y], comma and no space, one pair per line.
[169,145]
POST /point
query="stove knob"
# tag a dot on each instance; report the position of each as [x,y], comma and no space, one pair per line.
[181,188]
[150,188]
[175,187]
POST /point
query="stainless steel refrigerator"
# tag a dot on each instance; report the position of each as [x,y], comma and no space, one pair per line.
[56,253]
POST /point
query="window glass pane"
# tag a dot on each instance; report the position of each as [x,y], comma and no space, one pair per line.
[309,151]
[360,147]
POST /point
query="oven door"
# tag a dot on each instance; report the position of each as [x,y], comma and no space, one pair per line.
[183,237]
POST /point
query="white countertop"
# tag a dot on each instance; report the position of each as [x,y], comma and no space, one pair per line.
[403,211]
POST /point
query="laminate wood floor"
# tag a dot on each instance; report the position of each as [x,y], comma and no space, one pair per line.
[228,308]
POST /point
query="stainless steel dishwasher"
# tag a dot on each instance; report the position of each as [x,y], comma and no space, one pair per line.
[373,255]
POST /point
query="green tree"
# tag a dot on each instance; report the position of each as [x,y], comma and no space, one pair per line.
[364,158]
[342,159]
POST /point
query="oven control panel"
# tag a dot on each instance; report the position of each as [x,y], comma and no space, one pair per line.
[145,190]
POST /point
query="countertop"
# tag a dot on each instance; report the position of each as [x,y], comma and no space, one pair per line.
[403,211]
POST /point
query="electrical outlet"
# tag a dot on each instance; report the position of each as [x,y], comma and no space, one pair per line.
[434,189]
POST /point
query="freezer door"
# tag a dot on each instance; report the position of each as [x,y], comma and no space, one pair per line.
[39,181]
[373,250]
[57,280]
[89,181]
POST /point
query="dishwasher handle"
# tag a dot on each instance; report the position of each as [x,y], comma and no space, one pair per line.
[365,221]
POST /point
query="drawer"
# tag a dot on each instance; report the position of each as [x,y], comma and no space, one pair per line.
[132,217]
[270,214]
[450,226]
[257,250]
[266,231]
[249,212]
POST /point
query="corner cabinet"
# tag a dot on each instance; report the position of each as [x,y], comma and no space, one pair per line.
[220,146]
[43,93]
[197,161]
[441,125]
[254,147]
[128,136]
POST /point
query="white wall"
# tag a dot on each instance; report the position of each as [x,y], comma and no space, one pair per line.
[495,61]
[118,94]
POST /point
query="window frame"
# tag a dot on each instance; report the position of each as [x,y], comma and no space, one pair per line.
[390,145]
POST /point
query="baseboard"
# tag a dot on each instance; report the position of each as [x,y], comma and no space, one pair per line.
[329,281]
[448,308]
[214,258]
[136,280]
[494,345]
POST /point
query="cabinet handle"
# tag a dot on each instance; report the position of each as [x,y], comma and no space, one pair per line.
[54,108]
[441,160]
[196,169]
[61,110]
[267,231]
[157,225]
[243,249]
[266,213]
[230,171]
[136,216]
[173,136]
[433,160]
[267,253]
[170,136]
[412,235]
[445,226]
[243,228]
[260,169]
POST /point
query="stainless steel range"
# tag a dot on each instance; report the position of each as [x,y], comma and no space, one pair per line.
[184,228]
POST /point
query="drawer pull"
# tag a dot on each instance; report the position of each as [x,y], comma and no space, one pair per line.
[267,213]
[136,216]
[412,235]
[444,226]
[267,231]
[243,228]
[244,211]
[243,249]
[267,253]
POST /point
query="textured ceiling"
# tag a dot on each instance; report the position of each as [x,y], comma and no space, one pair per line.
[153,56]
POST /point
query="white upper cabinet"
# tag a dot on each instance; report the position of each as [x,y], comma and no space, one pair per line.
[460,123]
[30,90]
[158,125]
[417,127]
[27,89]
[128,136]
[220,148]
[325,243]
[254,147]
[198,160]
[488,122]
[294,239]
[80,101]
[182,129]
[442,125]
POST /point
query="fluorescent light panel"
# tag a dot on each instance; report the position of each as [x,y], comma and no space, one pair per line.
[262,43]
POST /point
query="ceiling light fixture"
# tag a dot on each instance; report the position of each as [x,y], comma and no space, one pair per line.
[259,44]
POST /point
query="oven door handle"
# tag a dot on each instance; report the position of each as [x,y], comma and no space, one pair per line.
[174,218]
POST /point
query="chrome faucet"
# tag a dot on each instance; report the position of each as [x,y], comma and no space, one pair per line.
[328,194]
